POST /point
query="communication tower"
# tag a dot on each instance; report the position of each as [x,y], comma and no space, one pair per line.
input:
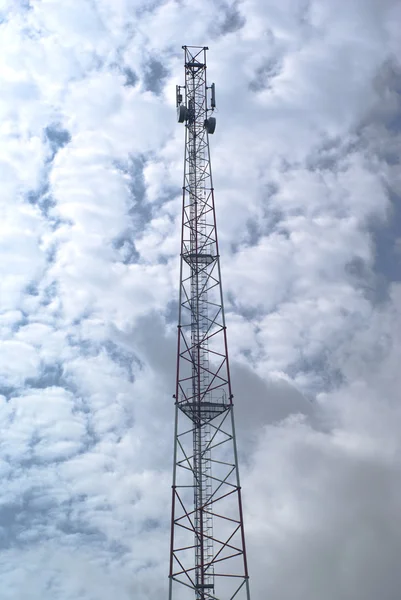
[207,553]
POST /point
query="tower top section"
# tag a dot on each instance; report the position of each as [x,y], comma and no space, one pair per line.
[196,101]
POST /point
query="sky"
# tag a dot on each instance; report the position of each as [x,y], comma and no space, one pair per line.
[308,198]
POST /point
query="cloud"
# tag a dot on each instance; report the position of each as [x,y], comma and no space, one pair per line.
[325,502]
[307,192]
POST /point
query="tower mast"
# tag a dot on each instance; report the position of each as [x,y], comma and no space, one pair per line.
[207,553]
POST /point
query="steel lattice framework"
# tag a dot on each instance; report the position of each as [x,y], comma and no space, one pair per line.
[208,556]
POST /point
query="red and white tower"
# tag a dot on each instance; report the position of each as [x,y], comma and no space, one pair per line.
[207,554]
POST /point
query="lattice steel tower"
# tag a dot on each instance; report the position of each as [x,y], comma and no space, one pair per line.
[208,556]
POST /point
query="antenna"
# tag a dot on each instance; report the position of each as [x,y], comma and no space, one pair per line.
[182,111]
[213,99]
[178,95]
